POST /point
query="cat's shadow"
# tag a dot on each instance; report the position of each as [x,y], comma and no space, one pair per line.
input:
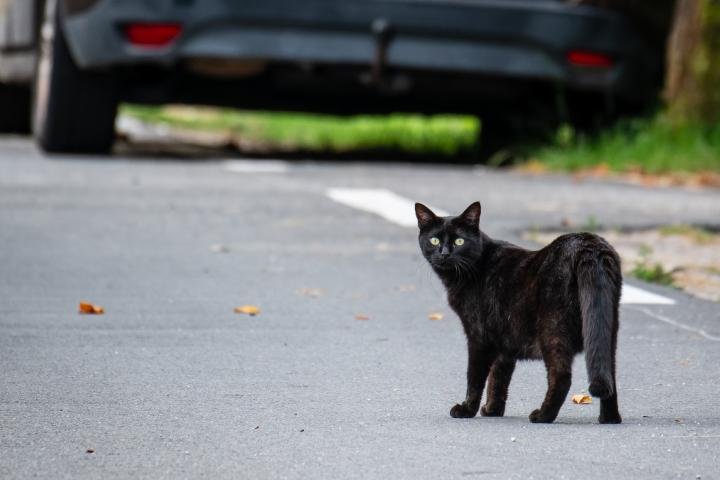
[523,420]
[628,422]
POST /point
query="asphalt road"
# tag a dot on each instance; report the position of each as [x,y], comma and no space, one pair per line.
[170,383]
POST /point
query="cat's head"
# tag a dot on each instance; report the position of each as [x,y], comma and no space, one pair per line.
[449,243]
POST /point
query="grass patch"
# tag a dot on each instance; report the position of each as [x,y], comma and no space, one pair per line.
[650,146]
[651,272]
[444,135]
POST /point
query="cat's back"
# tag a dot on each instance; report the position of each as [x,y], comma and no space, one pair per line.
[575,244]
[563,254]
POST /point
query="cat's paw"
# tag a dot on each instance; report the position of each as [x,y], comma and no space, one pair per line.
[462,411]
[610,418]
[492,411]
[538,416]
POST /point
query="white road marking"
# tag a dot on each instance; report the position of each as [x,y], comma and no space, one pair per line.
[677,324]
[401,211]
[634,295]
[256,166]
[390,206]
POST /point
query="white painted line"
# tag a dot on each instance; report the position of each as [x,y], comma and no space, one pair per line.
[401,211]
[256,166]
[390,206]
[677,324]
[634,296]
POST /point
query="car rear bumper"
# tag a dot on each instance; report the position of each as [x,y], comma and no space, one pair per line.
[518,39]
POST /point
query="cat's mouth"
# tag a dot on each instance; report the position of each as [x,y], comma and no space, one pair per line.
[442,263]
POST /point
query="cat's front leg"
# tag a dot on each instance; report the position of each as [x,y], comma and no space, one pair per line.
[479,361]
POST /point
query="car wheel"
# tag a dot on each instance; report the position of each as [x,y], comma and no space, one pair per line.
[15,113]
[74,110]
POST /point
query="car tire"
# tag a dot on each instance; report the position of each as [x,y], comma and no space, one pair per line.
[15,114]
[73,110]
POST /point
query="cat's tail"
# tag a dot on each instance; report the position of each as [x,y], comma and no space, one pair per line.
[599,282]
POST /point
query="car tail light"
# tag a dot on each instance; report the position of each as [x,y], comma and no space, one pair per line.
[152,35]
[582,58]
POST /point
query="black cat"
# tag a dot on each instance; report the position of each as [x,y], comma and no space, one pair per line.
[518,304]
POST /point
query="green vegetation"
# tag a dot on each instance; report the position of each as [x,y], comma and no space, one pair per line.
[591,224]
[698,234]
[650,146]
[650,272]
[440,134]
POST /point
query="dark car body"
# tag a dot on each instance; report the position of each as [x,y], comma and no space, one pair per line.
[350,56]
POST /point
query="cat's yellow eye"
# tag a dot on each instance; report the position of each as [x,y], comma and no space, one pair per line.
[459,241]
[434,241]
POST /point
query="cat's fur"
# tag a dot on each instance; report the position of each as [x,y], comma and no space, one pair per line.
[517,304]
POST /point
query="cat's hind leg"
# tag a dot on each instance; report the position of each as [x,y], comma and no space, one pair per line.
[609,412]
[497,386]
[558,361]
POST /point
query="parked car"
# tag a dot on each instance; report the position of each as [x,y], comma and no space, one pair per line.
[81,58]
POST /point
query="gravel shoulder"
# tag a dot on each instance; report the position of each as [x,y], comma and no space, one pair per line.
[685,257]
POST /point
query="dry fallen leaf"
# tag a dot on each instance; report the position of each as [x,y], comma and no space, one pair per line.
[361,316]
[89,308]
[533,167]
[582,399]
[435,316]
[251,310]
[311,292]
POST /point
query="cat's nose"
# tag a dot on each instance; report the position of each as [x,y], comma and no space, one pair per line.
[445,251]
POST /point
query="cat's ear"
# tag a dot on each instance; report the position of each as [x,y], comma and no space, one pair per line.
[471,215]
[424,215]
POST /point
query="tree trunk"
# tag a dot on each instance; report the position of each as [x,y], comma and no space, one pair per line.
[692,81]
